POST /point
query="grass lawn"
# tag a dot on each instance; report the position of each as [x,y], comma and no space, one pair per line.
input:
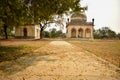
[13,49]
[106,49]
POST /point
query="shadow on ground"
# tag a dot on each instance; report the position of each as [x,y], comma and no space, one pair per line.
[11,63]
[8,53]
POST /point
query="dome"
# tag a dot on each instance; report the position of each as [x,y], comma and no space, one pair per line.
[79,19]
[79,16]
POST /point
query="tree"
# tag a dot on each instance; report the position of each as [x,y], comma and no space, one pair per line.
[9,31]
[53,33]
[111,34]
[20,12]
[104,32]
[43,11]
[118,35]
[46,34]
[59,33]
[12,13]
[97,34]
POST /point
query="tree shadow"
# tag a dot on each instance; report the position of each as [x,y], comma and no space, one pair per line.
[8,53]
[10,66]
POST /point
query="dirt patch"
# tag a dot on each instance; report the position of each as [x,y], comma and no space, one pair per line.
[60,43]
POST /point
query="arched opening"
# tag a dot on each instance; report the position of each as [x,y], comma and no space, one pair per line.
[25,32]
[88,33]
[73,33]
[80,33]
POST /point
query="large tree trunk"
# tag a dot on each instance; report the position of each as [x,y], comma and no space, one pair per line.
[41,31]
[5,31]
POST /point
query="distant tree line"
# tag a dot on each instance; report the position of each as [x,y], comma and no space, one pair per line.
[53,33]
[106,33]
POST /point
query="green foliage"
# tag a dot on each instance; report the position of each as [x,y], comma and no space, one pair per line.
[20,12]
[104,32]
[118,35]
[46,34]
[43,11]
[9,31]
[53,34]
[1,31]
[12,12]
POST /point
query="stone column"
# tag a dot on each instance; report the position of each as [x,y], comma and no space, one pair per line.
[92,33]
[68,33]
[76,33]
[84,33]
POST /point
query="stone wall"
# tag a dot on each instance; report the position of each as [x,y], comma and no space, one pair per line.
[37,32]
[28,31]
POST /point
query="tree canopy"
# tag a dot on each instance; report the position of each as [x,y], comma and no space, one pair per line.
[43,11]
[12,13]
[53,33]
[20,12]
[104,33]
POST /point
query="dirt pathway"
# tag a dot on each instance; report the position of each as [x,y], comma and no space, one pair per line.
[58,60]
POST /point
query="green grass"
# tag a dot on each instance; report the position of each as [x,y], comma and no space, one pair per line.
[106,49]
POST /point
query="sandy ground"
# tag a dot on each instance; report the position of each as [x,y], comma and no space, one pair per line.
[58,60]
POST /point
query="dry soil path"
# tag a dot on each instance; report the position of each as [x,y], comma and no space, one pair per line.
[59,60]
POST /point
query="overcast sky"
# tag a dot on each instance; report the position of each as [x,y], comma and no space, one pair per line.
[105,13]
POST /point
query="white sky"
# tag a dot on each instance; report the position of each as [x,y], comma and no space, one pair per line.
[105,12]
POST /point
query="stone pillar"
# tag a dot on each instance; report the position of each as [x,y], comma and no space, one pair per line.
[92,33]
[76,33]
[84,33]
[21,31]
[68,33]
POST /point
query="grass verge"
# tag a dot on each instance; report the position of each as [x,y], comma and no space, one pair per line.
[106,49]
